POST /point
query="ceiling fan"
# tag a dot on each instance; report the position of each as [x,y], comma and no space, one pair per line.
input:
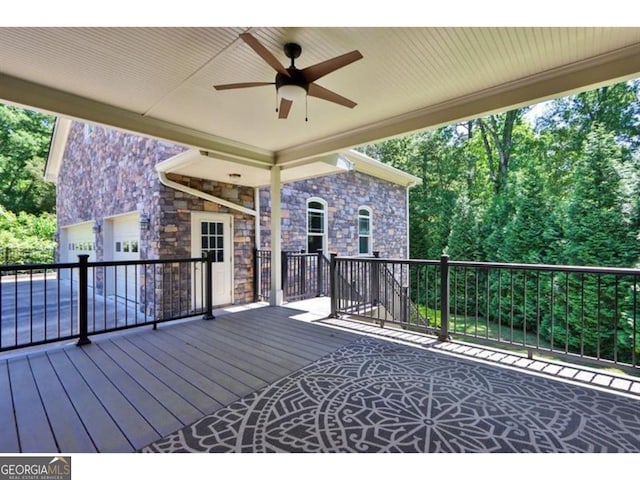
[292,83]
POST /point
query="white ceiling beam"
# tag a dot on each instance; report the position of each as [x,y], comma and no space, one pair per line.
[57,102]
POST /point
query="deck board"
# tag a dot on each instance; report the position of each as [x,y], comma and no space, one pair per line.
[195,395]
[219,363]
[155,413]
[103,430]
[34,431]
[70,433]
[178,405]
[130,388]
[270,356]
[213,389]
[200,362]
[137,430]
[270,342]
[246,361]
[9,438]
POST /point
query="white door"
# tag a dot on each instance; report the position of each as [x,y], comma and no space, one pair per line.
[211,232]
[126,246]
[81,241]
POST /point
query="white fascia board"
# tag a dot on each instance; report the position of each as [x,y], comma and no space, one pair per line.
[56,151]
[373,167]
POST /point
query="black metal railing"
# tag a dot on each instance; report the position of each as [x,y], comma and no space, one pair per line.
[44,303]
[589,312]
[304,275]
[262,276]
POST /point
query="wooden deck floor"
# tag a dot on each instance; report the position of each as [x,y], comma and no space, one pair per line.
[124,391]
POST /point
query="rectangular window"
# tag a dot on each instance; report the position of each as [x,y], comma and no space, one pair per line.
[316,212]
[316,222]
[364,231]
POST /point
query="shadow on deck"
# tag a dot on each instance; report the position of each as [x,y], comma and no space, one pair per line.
[274,379]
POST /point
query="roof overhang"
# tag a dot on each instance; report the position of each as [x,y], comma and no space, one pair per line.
[56,150]
[158,81]
[209,166]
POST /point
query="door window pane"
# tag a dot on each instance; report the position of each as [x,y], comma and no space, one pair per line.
[212,240]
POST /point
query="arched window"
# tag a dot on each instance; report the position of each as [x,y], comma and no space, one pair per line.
[316,225]
[364,231]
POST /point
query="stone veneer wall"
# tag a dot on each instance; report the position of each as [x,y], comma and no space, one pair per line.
[175,236]
[107,172]
[344,194]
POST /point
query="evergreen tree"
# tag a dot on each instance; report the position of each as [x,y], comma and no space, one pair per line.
[587,314]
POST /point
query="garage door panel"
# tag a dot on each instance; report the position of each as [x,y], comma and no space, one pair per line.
[126,247]
[80,241]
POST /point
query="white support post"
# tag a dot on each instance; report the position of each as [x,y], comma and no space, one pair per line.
[276,239]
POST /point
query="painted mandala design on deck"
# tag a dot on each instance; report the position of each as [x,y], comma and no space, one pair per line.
[374,396]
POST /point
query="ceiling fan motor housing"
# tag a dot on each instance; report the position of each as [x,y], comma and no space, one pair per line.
[295,78]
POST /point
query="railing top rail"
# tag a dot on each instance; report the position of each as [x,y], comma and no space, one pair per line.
[548,268]
[146,262]
[53,266]
[36,266]
[503,266]
[403,261]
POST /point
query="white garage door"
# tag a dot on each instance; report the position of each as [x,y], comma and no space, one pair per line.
[81,241]
[126,246]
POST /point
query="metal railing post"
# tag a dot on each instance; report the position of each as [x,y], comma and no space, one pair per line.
[404,307]
[319,273]
[285,270]
[375,280]
[444,299]
[256,275]
[83,300]
[208,287]
[333,286]
[303,273]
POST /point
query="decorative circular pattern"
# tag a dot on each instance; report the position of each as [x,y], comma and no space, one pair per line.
[375,396]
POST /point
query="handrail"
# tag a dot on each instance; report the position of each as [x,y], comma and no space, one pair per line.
[586,311]
[44,303]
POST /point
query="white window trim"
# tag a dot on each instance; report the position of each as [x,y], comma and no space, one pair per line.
[325,223]
[370,236]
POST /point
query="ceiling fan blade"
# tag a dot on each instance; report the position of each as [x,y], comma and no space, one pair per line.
[325,94]
[265,54]
[230,86]
[285,106]
[314,72]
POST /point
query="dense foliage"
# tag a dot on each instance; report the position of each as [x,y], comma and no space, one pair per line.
[26,238]
[561,188]
[24,145]
[27,201]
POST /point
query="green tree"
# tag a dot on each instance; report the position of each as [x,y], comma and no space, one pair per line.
[24,144]
[616,108]
[600,231]
[25,237]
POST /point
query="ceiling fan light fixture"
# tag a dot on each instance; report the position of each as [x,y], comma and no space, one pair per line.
[292,92]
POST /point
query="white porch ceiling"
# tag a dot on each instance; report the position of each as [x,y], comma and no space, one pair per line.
[158,81]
